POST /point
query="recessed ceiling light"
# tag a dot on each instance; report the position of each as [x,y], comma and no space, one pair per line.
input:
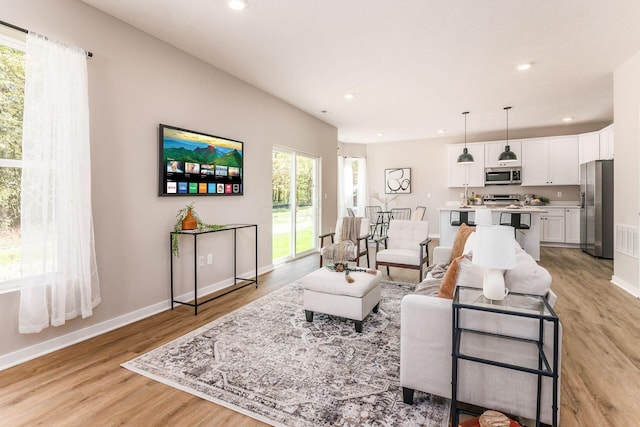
[523,67]
[380,134]
[238,4]
[349,96]
[567,119]
[442,130]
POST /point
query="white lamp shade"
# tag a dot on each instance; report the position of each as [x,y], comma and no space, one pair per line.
[484,217]
[494,247]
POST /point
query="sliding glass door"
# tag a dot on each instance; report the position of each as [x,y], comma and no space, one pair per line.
[294,204]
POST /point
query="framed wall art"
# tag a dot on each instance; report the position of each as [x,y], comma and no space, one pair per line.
[397,181]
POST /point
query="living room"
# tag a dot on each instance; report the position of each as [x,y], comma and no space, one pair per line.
[137,81]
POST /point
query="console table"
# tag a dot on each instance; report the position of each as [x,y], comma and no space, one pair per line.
[195,233]
[515,304]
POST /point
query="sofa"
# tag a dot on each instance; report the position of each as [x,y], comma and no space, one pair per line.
[426,339]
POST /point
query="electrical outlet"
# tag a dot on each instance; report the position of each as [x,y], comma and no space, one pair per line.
[428,195]
[559,193]
[209,259]
[201,261]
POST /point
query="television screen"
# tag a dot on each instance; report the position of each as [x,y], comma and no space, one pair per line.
[197,164]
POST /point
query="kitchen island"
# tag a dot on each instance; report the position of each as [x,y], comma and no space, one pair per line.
[529,239]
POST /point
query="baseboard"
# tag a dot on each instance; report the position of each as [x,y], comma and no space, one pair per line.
[560,245]
[633,290]
[58,343]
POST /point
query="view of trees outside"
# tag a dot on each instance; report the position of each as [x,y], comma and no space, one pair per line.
[280,212]
[281,203]
[304,199]
[11,107]
[355,170]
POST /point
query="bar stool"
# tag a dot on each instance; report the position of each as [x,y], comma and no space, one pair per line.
[515,220]
[457,218]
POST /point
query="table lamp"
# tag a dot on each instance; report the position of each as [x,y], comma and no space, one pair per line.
[494,250]
[484,217]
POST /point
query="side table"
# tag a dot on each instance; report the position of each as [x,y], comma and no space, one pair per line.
[195,233]
[515,304]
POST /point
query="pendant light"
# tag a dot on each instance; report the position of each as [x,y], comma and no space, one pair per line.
[465,157]
[507,155]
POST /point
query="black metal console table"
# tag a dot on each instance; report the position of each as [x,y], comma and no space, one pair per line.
[195,233]
[515,304]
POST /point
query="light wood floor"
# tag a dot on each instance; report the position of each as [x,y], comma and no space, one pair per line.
[85,385]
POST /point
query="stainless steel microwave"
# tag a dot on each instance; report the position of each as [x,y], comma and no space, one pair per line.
[502,176]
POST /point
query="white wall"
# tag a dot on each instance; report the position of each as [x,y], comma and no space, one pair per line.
[626,175]
[137,82]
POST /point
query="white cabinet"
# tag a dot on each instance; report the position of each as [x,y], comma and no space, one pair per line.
[572,225]
[492,151]
[535,162]
[550,161]
[589,147]
[552,227]
[606,142]
[560,225]
[472,174]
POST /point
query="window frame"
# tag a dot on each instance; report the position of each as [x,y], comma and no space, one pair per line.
[15,39]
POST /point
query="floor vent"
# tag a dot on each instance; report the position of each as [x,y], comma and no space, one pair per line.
[628,240]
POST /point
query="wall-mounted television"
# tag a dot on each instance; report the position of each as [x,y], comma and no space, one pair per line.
[198,164]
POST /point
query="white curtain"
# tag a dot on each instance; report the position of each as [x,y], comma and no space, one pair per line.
[346,187]
[59,273]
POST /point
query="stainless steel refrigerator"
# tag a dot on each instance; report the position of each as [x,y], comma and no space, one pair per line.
[596,208]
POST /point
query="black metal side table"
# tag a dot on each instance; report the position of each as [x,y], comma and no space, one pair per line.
[515,304]
[195,233]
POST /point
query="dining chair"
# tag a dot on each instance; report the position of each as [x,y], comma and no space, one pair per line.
[418,214]
[371,213]
[401,213]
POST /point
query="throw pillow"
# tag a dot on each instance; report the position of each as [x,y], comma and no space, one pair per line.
[448,284]
[469,274]
[527,277]
[461,238]
[469,244]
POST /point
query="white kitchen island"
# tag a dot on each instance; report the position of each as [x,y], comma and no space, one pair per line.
[529,239]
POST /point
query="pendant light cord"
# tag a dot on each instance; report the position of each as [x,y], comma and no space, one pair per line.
[507,109]
[465,128]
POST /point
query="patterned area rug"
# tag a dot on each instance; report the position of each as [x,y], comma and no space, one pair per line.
[266,361]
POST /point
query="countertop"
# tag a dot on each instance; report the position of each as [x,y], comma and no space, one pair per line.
[529,209]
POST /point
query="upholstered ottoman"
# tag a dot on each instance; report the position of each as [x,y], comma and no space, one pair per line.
[329,292]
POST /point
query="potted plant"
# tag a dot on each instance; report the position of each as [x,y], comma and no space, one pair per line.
[187,219]
[539,201]
[385,200]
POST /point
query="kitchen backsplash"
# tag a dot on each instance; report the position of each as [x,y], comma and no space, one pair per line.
[556,194]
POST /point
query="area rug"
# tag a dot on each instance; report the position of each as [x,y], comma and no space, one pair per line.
[266,361]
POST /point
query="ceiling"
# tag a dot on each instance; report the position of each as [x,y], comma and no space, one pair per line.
[413,65]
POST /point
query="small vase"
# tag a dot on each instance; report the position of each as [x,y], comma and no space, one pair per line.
[189,222]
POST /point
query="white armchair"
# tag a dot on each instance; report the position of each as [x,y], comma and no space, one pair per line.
[406,245]
[361,248]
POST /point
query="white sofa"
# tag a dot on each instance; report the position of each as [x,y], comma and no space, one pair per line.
[426,339]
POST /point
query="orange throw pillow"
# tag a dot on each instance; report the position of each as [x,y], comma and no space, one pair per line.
[448,284]
[461,238]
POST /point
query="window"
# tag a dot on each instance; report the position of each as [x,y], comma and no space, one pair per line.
[352,183]
[294,204]
[12,60]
